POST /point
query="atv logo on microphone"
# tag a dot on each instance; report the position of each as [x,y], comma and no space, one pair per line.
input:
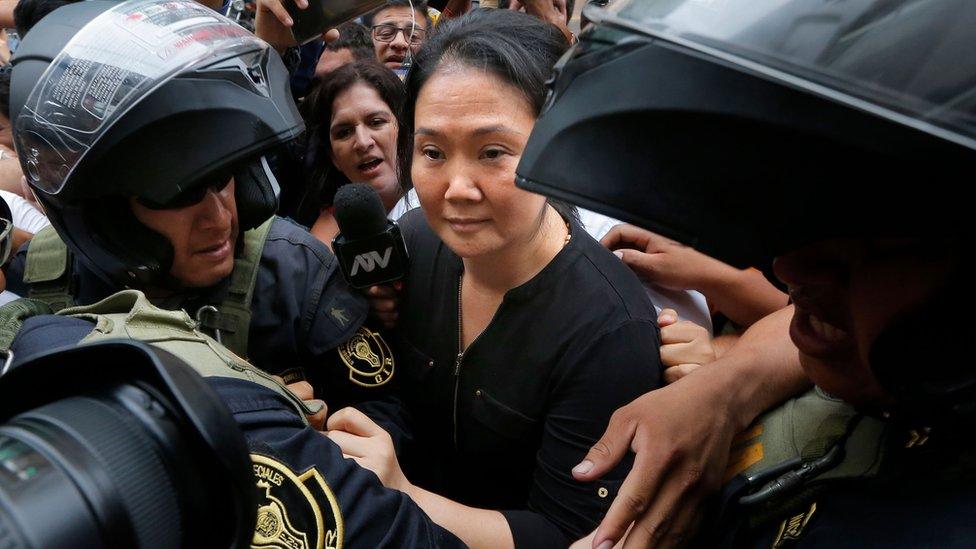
[370,260]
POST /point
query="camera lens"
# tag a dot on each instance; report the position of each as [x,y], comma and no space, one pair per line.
[90,471]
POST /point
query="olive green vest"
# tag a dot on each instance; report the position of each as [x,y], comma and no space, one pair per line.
[129,315]
[48,274]
[791,453]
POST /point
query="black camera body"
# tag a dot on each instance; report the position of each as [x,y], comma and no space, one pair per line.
[119,444]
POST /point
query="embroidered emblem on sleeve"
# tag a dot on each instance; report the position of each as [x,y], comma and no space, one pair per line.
[294,511]
[792,528]
[368,358]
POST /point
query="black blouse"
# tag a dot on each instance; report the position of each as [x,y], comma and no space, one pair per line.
[501,425]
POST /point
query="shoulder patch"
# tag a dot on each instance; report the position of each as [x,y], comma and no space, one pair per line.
[368,358]
[294,511]
[792,528]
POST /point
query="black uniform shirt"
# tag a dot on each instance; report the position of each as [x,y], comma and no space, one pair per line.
[532,393]
[301,310]
[327,499]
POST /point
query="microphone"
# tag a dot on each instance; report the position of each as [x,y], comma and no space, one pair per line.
[369,246]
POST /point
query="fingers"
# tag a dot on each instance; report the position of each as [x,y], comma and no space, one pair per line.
[317,420]
[636,493]
[331,35]
[382,291]
[674,373]
[384,303]
[355,422]
[301,389]
[353,446]
[667,317]
[623,234]
[279,11]
[682,332]
[609,450]
[584,543]
[647,266]
[667,522]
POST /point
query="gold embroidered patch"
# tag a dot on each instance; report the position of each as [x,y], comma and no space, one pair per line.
[792,528]
[290,508]
[368,358]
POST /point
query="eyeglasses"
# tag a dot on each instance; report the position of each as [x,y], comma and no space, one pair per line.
[189,197]
[387,32]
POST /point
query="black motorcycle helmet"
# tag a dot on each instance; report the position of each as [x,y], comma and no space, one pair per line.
[748,128]
[148,99]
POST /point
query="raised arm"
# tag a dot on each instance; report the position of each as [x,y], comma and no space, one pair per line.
[681,435]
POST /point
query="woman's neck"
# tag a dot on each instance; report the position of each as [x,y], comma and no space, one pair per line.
[520,262]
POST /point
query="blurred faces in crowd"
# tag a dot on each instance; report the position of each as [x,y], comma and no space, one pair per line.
[397,31]
[363,133]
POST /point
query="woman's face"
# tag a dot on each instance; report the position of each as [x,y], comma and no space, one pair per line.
[471,127]
[363,133]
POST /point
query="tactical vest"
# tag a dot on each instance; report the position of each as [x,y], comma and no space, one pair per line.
[789,455]
[129,315]
[48,274]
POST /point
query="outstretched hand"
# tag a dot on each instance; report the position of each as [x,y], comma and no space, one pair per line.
[681,435]
[369,444]
[272,23]
[663,261]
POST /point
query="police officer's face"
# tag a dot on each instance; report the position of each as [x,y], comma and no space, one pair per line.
[471,128]
[363,133]
[846,292]
[203,236]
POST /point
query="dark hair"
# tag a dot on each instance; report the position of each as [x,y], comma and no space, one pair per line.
[353,36]
[28,12]
[419,6]
[518,48]
[323,177]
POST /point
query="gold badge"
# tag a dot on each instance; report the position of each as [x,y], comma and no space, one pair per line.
[290,508]
[792,528]
[368,358]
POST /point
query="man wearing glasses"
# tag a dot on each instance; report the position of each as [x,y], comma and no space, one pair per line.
[398,31]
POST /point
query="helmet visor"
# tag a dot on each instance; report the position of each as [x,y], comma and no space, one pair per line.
[110,65]
[907,60]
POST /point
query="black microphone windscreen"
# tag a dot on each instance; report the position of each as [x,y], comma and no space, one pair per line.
[359,211]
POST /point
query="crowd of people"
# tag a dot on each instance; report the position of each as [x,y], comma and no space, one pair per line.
[543,375]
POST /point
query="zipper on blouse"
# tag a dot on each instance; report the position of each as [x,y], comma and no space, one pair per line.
[457,364]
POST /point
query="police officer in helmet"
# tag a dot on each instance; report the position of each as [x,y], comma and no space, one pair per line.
[831,136]
[152,167]
[126,81]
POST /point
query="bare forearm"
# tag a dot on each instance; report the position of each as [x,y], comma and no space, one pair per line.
[475,527]
[745,296]
[761,370]
[721,344]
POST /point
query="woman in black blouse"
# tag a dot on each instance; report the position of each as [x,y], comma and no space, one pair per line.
[521,334]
